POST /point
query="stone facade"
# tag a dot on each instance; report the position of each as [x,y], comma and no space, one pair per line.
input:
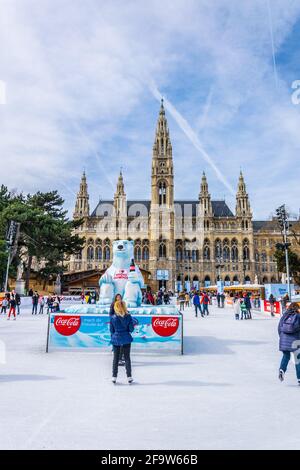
[178,242]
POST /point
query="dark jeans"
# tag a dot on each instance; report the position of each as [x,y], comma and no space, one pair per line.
[286,359]
[117,352]
[34,308]
[205,308]
[198,306]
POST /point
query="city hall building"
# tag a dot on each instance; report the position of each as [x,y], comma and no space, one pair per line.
[178,243]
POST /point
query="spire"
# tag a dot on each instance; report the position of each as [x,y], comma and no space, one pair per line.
[120,185]
[242,200]
[120,198]
[162,144]
[204,186]
[241,184]
[82,208]
[204,198]
[162,181]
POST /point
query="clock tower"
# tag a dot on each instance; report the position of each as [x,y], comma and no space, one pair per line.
[162,249]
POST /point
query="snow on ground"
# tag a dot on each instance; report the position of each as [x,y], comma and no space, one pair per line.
[223,393]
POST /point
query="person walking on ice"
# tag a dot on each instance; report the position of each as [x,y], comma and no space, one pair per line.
[12,309]
[121,327]
[197,304]
[289,339]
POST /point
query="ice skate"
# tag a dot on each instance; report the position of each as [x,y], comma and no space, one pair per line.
[130,380]
[114,380]
[281,375]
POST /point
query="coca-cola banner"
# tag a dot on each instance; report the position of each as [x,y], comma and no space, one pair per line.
[151,332]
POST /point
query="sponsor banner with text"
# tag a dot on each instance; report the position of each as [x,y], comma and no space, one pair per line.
[151,332]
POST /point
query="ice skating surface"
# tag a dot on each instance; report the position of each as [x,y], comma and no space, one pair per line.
[223,393]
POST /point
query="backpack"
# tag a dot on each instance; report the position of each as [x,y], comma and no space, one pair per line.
[290,324]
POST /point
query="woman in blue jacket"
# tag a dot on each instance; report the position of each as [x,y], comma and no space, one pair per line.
[121,327]
[289,339]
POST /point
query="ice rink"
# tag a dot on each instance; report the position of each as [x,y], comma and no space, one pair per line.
[223,393]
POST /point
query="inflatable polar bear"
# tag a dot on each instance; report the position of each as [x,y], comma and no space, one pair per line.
[118,279]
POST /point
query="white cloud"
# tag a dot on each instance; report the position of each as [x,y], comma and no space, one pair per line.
[77,94]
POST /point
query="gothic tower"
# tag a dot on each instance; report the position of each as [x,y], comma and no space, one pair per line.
[205,206]
[120,206]
[162,246]
[244,223]
[243,210]
[82,208]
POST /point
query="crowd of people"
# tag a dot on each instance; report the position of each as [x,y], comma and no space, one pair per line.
[122,326]
[11,303]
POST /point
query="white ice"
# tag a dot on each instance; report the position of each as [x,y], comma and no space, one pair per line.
[222,394]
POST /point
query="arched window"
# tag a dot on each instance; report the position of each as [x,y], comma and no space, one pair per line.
[106,253]
[178,253]
[234,251]
[246,251]
[195,255]
[226,253]
[162,249]
[145,253]
[137,253]
[206,253]
[90,253]
[218,249]
[98,253]
[162,193]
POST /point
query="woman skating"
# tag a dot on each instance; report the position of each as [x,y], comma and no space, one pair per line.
[289,339]
[121,327]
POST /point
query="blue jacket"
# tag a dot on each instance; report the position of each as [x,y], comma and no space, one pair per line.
[196,299]
[120,329]
[247,301]
[290,319]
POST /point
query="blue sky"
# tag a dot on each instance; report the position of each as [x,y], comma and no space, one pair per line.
[83,80]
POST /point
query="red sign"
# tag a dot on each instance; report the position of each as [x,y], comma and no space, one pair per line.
[267,307]
[67,325]
[165,326]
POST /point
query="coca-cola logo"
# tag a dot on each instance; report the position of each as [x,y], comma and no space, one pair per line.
[66,325]
[165,326]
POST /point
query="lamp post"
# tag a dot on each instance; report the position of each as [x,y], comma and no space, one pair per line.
[283,224]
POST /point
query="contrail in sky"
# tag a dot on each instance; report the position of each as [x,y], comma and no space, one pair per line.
[272,43]
[190,133]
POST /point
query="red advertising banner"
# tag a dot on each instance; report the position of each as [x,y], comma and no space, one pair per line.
[267,307]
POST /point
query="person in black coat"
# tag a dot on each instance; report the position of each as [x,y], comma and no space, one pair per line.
[121,327]
[289,339]
[247,303]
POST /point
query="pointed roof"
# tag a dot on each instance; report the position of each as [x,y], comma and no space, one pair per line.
[120,185]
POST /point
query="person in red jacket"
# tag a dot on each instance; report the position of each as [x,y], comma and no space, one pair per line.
[12,309]
[205,302]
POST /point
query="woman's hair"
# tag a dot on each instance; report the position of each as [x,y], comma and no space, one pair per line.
[116,297]
[294,306]
[120,308]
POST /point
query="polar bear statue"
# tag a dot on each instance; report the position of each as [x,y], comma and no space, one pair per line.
[133,293]
[115,278]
